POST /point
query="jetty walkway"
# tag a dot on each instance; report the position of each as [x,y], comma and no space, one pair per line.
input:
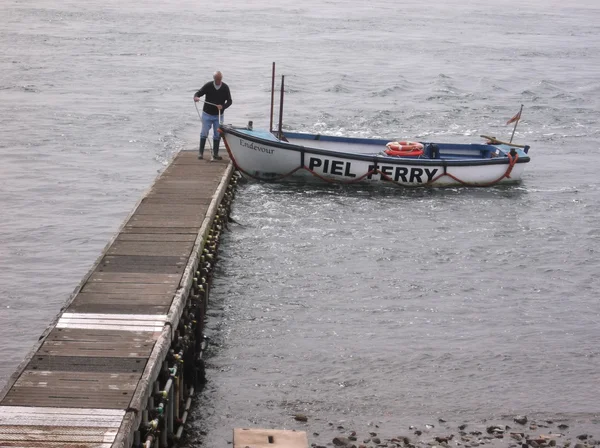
[119,364]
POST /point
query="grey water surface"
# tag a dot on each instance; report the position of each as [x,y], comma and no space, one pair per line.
[354,306]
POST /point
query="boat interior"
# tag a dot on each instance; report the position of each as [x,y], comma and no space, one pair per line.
[370,146]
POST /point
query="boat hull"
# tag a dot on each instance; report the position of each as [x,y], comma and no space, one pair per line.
[265,158]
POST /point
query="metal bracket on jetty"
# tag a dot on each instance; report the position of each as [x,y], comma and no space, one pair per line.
[120,365]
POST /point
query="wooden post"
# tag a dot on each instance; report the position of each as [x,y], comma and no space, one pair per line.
[272,98]
[281,108]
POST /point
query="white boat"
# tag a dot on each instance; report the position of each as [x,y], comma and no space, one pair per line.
[275,156]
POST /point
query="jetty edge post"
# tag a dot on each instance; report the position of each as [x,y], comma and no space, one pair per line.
[281,108]
[272,99]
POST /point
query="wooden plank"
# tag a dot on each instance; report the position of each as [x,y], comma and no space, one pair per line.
[128,260]
[160,198]
[129,298]
[141,269]
[42,435]
[78,380]
[74,348]
[201,192]
[86,364]
[118,308]
[135,277]
[175,180]
[57,417]
[163,230]
[111,321]
[158,221]
[146,248]
[169,210]
[139,288]
[157,237]
[269,438]
[101,337]
[147,264]
[56,445]
[35,396]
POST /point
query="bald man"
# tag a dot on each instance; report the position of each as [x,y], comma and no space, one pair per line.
[218,98]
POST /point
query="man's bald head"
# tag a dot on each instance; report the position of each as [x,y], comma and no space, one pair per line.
[218,77]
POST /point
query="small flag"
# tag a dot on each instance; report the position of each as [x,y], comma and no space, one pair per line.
[515,118]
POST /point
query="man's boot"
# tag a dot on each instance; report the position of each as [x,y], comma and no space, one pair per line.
[216,155]
[202,145]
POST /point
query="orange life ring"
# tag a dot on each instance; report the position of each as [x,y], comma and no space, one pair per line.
[410,149]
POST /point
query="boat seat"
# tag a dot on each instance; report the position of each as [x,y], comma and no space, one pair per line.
[432,151]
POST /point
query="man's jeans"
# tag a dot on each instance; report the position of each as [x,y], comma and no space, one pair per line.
[209,121]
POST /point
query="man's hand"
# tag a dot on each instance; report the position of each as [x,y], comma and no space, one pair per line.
[219,107]
[196,99]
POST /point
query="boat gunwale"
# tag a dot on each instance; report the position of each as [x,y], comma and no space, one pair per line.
[376,158]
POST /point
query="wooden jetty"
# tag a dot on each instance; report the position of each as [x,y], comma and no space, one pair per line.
[119,364]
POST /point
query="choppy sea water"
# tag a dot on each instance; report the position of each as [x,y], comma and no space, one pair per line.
[351,305]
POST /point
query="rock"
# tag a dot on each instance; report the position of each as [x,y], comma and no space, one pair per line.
[301,418]
[579,445]
[341,441]
[429,426]
[411,427]
[521,419]
[353,433]
[441,420]
[366,440]
[518,436]
[373,434]
[550,422]
[376,440]
[362,446]
[316,434]
[340,427]
[495,429]
[353,438]
[563,426]
[552,442]
[533,443]
[582,436]
[406,440]
[417,432]
[462,427]
[475,433]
